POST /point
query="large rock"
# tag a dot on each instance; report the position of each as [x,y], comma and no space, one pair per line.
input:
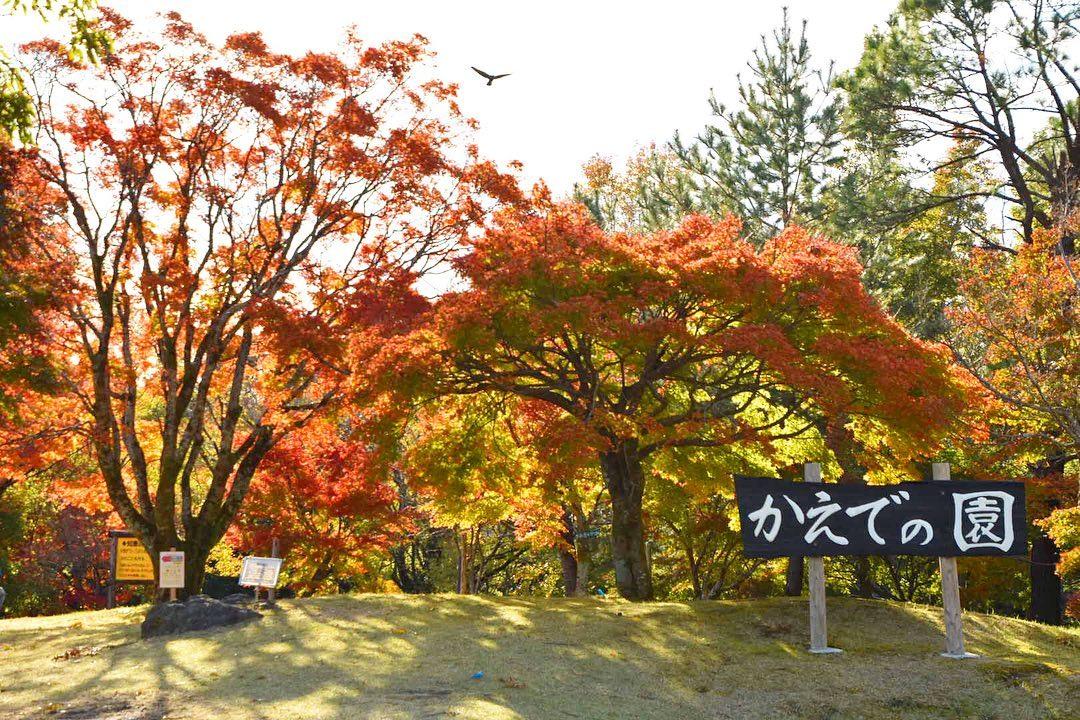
[198,612]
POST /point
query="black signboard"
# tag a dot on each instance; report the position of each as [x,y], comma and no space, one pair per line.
[945,519]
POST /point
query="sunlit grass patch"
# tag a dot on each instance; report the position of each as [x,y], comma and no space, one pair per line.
[395,656]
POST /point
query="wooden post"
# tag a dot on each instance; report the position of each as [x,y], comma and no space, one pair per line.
[271,593]
[172,591]
[462,582]
[950,591]
[110,592]
[815,578]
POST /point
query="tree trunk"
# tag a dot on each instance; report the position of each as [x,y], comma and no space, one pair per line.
[841,441]
[584,564]
[322,571]
[864,587]
[695,570]
[463,563]
[569,571]
[1045,583]
[583,549]
[1046,588]
[626,485]
[194,570]
[153,516]
[794,580]
[567,558]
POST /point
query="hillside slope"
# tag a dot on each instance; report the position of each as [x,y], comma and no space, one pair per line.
[402,657]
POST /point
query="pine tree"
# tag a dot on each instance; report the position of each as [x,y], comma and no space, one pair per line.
[770,161]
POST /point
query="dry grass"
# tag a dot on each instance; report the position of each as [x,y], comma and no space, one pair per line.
[413,657]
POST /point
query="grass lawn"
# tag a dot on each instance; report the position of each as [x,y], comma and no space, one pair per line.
[392,656]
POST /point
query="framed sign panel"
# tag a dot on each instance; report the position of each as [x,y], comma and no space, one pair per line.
[260,572]
[943,519]
[171,569]
[130,561]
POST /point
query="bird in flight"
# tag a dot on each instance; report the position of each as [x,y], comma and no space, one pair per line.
[490,78]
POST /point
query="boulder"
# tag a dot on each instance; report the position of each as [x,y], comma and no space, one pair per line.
[198,612]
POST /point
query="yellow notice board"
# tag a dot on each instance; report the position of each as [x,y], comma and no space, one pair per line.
[133,563]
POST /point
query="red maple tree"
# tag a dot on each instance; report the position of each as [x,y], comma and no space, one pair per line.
[230,212]
[329,498]
[690,338]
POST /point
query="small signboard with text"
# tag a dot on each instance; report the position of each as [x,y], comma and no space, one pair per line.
[171,569]
[944,519]
[130,561]
[260,572]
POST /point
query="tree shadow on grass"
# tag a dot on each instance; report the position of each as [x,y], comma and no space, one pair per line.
[892,664]
[416,657]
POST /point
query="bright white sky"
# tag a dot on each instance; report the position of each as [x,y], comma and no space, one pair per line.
[589,76]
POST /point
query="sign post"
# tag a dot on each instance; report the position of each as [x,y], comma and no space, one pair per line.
[260,572]
[950,590]
[815,566]
[171,572]
[128,562]
[941,518]
[271,594]
[110,593]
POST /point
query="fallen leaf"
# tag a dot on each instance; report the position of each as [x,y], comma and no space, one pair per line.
[80,651]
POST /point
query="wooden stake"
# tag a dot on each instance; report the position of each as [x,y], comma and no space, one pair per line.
[815,578]
[463,570]
[110,597]
[172,591]
[271,594]
[950,591]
